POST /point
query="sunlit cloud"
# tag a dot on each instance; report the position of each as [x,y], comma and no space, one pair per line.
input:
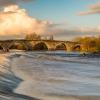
[93,9]
[16,21]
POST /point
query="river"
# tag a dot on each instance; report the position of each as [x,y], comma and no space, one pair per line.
[52,75]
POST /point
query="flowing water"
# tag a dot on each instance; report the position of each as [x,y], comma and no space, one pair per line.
[52,75]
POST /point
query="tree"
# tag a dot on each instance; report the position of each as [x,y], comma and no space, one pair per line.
[90,44]
[33,36]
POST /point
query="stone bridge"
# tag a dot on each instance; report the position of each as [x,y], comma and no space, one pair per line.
[29,45]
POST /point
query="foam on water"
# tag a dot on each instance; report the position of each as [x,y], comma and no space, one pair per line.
[53,76]
[8,80]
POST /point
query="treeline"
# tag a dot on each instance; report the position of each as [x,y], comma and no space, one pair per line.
[89,44]
[33,36]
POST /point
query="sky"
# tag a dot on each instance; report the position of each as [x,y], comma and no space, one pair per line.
[64,19]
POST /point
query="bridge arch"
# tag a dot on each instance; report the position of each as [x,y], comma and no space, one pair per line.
[20,45]
[17,46]
[61,46]
[77,48]
[1,48]
[40,46]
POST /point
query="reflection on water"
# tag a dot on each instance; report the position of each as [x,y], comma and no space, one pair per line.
[55,75]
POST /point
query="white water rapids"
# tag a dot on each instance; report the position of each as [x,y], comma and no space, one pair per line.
[53,75]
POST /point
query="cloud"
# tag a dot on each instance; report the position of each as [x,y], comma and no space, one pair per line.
[15,21]
[11,2]
[67,34]
[93,9]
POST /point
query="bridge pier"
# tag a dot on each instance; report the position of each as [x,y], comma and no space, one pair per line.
[5,50]
[5,47]
[51,46]
[51,49]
